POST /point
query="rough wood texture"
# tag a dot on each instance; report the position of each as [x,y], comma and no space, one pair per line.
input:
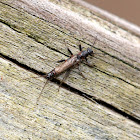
[36,33]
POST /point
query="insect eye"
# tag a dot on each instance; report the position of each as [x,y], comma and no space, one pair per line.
[90,51]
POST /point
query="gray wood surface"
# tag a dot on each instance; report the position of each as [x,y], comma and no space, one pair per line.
[33,36]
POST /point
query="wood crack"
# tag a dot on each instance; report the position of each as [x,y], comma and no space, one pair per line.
[30,36]
[74,90]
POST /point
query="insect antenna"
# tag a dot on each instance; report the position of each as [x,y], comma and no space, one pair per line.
[41,91]
[94,41]
[94,44]
[100,53]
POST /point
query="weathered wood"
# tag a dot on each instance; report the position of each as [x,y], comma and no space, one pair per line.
[121,23]
[31,31]
[59,115]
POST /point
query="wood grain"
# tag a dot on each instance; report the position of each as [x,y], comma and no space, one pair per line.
[58,115]
[37,34]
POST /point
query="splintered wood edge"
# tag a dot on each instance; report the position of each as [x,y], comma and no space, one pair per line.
[58,114]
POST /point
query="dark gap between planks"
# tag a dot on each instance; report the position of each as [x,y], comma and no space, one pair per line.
[74,90]
[4,22]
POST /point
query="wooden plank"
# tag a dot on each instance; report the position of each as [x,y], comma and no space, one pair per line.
[37,35]
[102,14]
[115,79]
[58,115]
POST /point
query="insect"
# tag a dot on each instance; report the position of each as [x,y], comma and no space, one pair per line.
[67,64]
[72,61]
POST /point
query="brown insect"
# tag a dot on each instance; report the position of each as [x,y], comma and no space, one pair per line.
[67,64]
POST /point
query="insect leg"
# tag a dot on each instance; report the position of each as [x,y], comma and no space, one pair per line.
[70,51]
[88,62]
[68,48]
[81,72]
[41,92]
[90,65]
[95,40]
[61,60]
[80,47]
[64,78]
